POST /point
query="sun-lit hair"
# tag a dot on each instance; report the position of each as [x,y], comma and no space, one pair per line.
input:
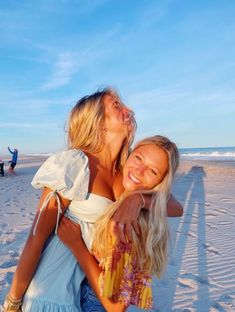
[86,125]
[150,246]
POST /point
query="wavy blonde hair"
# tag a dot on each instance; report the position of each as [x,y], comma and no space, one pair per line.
[86,122]
[150,246]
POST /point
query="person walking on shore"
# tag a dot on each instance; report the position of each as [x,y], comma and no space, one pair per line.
[13,160]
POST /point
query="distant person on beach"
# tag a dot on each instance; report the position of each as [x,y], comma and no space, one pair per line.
[14,159]
[81,183]
[2,167]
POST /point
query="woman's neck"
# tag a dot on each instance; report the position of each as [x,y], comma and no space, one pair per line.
[107,157]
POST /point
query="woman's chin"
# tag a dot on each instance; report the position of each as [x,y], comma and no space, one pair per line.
[131,187]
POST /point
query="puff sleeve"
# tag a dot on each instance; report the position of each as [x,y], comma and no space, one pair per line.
[66,173]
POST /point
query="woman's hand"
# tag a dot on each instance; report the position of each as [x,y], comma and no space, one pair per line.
[70,233]
[174,207]
[125,217]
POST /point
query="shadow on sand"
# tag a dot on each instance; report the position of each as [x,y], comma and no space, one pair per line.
[192,196]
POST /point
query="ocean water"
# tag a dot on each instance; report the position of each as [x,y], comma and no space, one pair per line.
[210,153]
[205,153]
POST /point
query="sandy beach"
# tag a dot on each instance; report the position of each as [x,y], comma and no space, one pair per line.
[200,275]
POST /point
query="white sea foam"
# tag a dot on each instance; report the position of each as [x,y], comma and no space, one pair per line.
[212,155]
[40,154]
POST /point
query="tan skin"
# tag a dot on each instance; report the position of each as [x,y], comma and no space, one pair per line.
[101,166]
[144,169]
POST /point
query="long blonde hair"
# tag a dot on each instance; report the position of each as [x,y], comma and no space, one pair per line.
[87,121]
[150,246]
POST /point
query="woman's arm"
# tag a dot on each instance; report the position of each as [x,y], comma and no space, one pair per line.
[174,208]
[32,251]
[70,233]
[126,216]
[10,150]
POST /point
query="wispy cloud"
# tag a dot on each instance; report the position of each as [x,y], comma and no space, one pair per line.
[64,68]
[68,63]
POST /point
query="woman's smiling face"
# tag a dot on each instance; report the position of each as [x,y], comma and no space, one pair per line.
[145,168]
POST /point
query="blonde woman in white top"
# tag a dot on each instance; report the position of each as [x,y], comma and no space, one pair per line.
[80,182]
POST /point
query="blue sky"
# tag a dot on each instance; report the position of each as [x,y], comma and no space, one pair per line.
[172,61]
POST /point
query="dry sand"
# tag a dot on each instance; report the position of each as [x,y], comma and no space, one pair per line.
[200,275]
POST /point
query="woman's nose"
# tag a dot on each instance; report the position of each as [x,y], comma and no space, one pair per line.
[140,169]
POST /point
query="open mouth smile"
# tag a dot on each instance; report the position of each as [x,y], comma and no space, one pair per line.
[134,179]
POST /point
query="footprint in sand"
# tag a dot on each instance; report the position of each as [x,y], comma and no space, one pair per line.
[211,214]
[190,280]
[14,253]
[225,223]
[186,283]
[10,213]
[9,277]
[7,241]
[225,302]
[212,226]
[8,232]
[4,285]
[191,234]
[222,211]
[227,200]
[211,249]
[9,263]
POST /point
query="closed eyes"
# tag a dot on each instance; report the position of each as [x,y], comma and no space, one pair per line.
[116,104]
[154,172]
